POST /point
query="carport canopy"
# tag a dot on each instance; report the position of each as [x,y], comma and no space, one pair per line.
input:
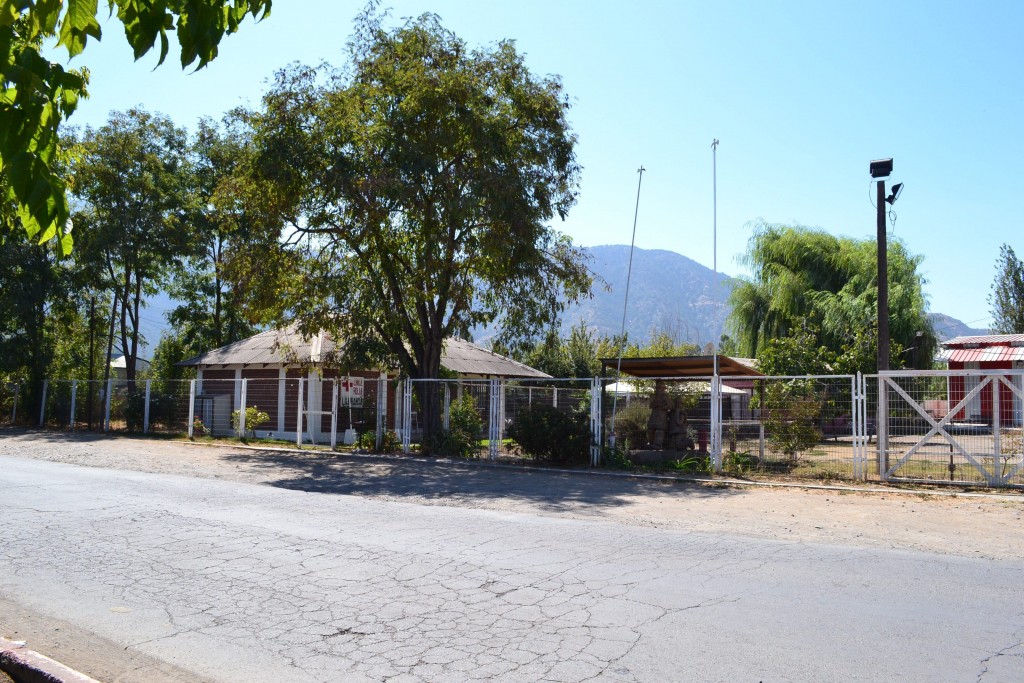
[681,366]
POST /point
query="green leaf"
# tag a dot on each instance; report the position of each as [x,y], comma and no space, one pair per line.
[79,23]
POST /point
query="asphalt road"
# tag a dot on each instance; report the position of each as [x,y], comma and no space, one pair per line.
[237,582]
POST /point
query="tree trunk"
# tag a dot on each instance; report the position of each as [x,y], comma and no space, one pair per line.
[428,393]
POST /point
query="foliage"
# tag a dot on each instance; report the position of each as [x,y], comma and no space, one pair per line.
[738,462]
[695,463]
[410,195]
[210,314]
[37,95]
[631,422]
[802,275]
[616,458]
[254,417]
[790,411]
[551,435]
[462,438]
[131,180]
[1007,297]
[390,443]
[575,356]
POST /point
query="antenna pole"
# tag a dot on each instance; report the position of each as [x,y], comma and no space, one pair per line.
[625,303]
[714,240]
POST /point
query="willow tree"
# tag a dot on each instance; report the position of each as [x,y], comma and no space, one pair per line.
[411,195]
[804,276]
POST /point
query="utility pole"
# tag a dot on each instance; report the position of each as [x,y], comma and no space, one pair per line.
[883,281]
[880,170]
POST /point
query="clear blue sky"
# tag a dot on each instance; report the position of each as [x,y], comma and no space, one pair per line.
[802,95]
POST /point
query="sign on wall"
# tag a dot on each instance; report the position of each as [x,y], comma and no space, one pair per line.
[350,391]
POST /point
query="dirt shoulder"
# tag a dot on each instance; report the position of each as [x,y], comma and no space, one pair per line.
[984,527]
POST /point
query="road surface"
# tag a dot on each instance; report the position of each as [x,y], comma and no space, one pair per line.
[230,581]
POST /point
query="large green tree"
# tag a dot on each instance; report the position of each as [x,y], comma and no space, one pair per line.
[211,313]
[803,276]
[416,187]
[1007,297]
[36,95]
[131,180]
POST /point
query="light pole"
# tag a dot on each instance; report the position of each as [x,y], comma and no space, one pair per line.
[880,170]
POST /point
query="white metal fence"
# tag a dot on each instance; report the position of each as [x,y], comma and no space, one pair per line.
[961,427]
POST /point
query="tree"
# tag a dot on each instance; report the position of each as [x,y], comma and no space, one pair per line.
[37,95]
[211,314]
[1007,297]
[130,179]
[415,188]
[802,275]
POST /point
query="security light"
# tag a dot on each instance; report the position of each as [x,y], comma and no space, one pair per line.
[881,168]
[895,194]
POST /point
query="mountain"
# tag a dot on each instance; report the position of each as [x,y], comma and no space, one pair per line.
[947,327]
[668,292]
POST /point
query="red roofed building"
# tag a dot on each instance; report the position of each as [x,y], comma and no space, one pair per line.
[985,353]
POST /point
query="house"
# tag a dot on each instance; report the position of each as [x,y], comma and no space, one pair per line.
[277,362]
[986,353]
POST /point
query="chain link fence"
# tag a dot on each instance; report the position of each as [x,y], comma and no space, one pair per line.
[960,427]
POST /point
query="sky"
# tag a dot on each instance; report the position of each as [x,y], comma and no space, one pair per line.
[801,95]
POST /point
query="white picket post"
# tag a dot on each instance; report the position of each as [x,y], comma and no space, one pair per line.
[382,408]
[42,404]
[242,399]
[106,410]
[191,407]
[74,395]
[334,414]
[298,417]
[145,413]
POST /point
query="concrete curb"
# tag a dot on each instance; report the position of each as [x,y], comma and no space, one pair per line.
[28,666]
[707,481]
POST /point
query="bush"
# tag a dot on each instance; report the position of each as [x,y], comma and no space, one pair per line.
[254,417]
[389,443]
[550,435]
[462,438]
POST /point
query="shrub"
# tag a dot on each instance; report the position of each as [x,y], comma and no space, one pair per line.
[462,438]
[254,417]
[549,435]
[389,443]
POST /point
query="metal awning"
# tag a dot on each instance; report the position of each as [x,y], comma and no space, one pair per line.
[681,366]
[991,354]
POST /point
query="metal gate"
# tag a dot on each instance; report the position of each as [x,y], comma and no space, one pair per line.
[955,426]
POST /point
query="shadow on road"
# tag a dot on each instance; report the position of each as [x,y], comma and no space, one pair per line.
[444,479]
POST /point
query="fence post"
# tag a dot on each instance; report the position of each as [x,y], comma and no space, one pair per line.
[191,407]
[74,395]
[14,409]
[145,413]
[241,408]
[997,442]
[446,414]
[298,417]
[595,422]
[493,438]
[382,408]
[42,404]
[882,427]
[407,417]
[716,423]
[106,410]
[855,412]
[334,414]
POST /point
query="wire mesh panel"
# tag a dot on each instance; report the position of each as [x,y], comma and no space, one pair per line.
[168,406]
[59,397]
[547,421]
[956,426]
[805,427]
[214,402]
[661,422]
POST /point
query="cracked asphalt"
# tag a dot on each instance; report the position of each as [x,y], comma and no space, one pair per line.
[232,581]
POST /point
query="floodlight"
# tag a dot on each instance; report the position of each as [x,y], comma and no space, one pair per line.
[881,168]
